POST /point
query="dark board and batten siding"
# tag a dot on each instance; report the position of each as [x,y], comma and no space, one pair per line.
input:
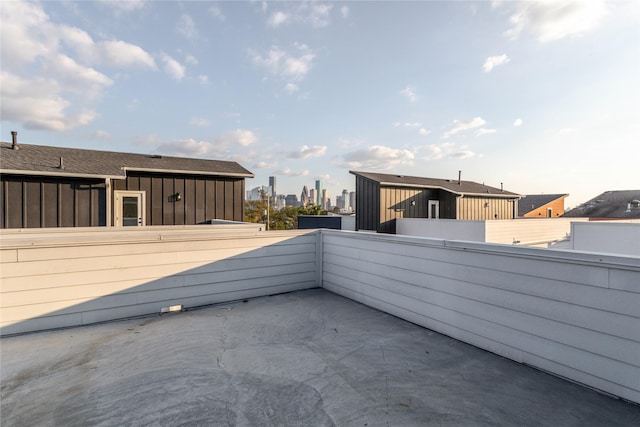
[203,198]
[367,204]
[38,202]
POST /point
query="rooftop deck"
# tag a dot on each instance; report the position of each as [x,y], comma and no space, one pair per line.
[303,358]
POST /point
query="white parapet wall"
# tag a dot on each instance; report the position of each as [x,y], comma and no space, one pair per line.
[606,237]
[70,277]
[526,232]
[575,315]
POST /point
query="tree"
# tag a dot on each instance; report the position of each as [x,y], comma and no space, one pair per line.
[283,219]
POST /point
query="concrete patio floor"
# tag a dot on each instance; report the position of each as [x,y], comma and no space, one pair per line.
[305,358]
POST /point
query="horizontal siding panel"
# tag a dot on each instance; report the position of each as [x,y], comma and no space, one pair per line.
[594,297]
[144,272]
[597,298]
[596,365]
[85,273]
[518,263]
[8,256]
[607,345]
[97,263]
[573,314]
[133,247]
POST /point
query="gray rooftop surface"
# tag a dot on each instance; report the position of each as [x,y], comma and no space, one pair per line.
[304,358]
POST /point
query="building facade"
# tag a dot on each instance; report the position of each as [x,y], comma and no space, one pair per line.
[382,198]
[42,186]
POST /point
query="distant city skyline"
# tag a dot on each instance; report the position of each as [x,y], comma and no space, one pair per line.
[539,95]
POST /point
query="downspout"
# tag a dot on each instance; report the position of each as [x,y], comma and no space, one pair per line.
[107,187]
[458,197]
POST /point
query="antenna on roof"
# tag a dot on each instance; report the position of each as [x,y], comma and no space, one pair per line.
[459,177]
[501,187]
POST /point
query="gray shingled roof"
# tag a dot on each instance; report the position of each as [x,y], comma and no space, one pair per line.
[532,202]
[610,204]
[450,185]
[45,160]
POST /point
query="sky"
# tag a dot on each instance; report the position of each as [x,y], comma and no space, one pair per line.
[543,97]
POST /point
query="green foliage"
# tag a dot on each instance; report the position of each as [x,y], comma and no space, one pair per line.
[283,219]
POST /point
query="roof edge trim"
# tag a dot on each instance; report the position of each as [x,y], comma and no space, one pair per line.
[61,174]
[188,172]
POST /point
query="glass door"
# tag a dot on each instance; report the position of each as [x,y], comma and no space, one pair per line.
[129,208]
[434,209]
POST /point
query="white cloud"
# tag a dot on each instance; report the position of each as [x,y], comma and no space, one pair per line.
[277,18]
[494,61]
[407,124]
[517,122]
[173,68]
[291,88]
[191,60]
[187,27]
[199,121]
[37,104]
[121,7]
[344,11]
[290,172]
[459,126]
[239,137]
[377,157]
[409,93]
[424,132]
[263,165]
[101,134]
[555,19]
[318,15]
[445,149]
[188,147]
[463,154]
[133,104]
[49,79]
[203,79]
[291,66]
[306,152]
[143,140]
[216,12]
[483,131]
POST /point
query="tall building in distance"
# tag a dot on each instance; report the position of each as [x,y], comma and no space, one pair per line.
[312,196]
[326,203]
[345,200]
[352,201]
[272,184]
[304,196]
[318,198]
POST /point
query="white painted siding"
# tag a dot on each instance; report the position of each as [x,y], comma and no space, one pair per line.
[530,232]
[607,237]
[452,229]
[63,278]
[573,314]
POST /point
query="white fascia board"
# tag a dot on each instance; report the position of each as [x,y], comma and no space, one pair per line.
[190,172]
[59,174]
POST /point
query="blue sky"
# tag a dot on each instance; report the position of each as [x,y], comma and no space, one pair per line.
[541,96]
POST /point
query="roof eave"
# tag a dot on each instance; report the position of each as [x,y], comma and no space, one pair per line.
[191,172]
[458,193]
[61,174]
